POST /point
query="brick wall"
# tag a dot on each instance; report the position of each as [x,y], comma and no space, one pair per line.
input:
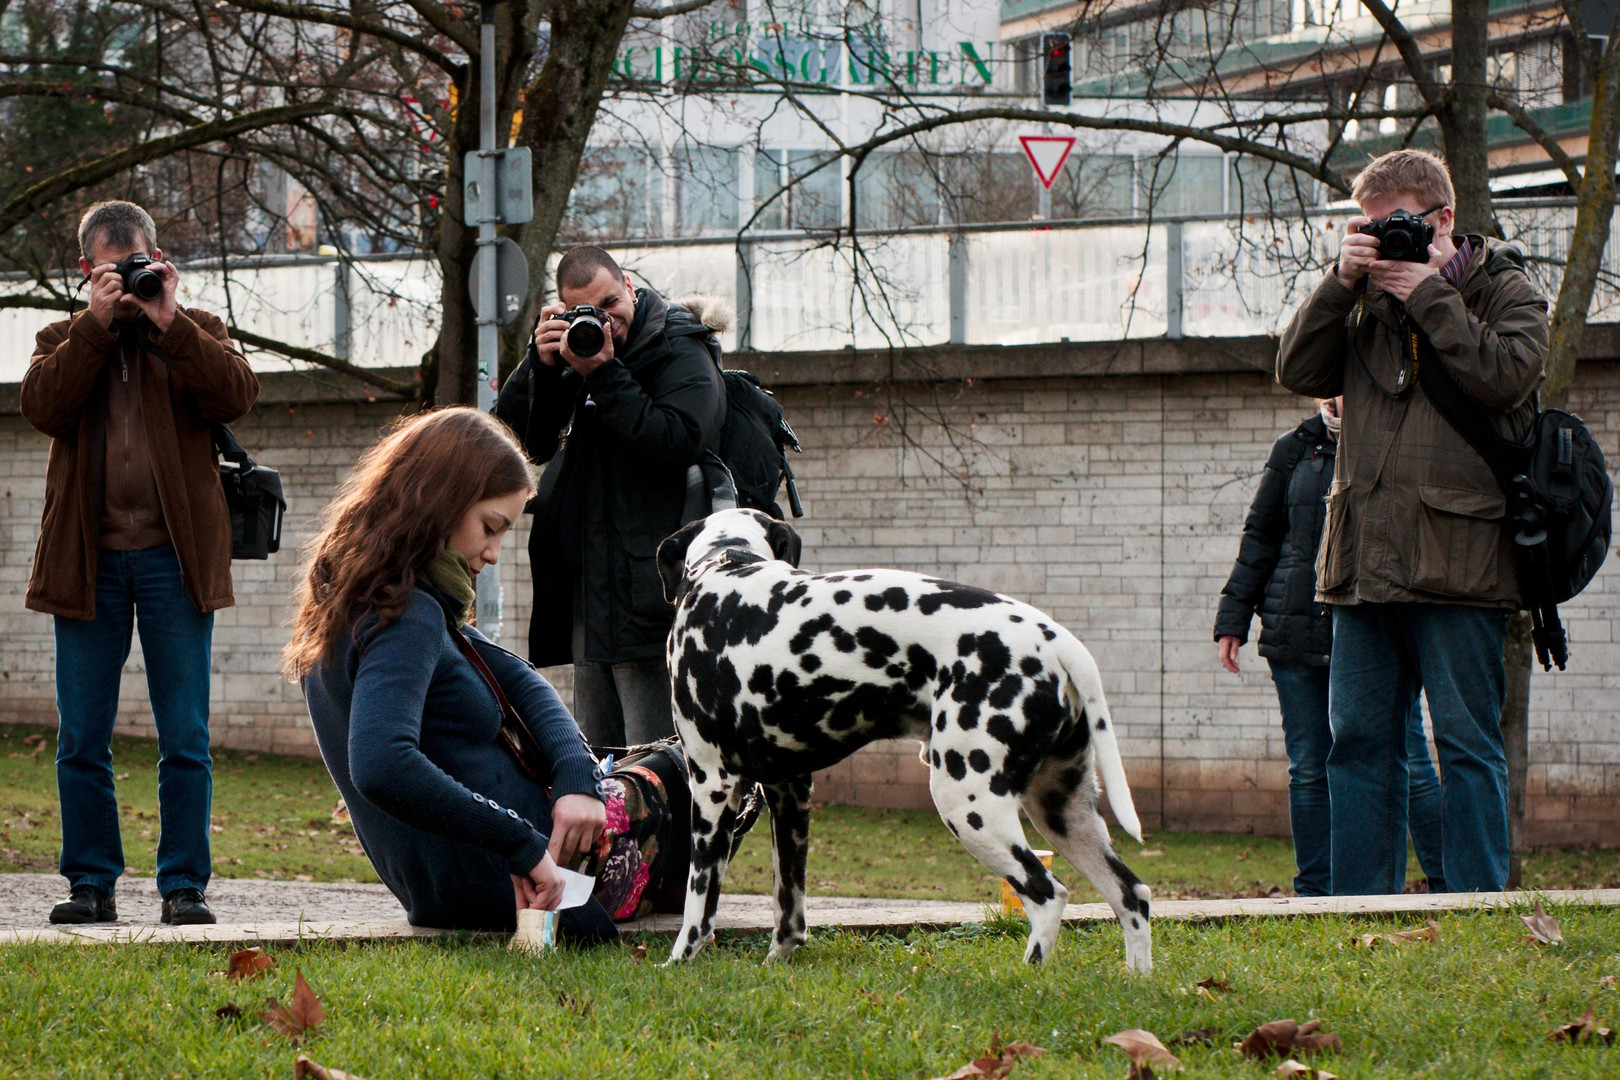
[1113,502]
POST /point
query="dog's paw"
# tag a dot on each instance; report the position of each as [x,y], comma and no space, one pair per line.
[781,951]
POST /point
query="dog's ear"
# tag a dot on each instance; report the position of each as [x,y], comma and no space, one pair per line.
[785,543]
[672,558]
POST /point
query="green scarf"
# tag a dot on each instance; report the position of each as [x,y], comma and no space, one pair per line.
[451,574]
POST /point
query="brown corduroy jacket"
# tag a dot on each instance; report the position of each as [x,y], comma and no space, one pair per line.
[191,377]
[1414,513]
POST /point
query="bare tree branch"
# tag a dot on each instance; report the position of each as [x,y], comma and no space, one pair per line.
[93,172]
[408,391]
[1407,46]
[1526,123]
[685,7]
[331,17]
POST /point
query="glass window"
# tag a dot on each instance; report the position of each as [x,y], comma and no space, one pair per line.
[705,191]
[988,187]
[896,189]
[810,204]
[1180,184]
[617,194]
[1265,187]
[1093,186]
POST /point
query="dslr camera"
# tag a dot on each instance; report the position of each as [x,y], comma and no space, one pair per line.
[139,278]
[1402,237]
[586,331]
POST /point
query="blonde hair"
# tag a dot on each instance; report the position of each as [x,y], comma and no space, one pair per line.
[1401,172]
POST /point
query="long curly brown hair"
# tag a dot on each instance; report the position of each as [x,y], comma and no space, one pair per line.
[392,516]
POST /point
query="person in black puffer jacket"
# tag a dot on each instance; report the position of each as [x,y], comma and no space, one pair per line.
[1275,573]
[618,431]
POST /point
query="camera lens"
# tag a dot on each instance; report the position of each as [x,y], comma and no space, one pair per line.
[585,336]
[1396,244]
[144,283]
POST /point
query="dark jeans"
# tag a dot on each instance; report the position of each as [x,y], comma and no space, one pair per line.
[624,704]
[1383,655]
[133,587]
[1302,692]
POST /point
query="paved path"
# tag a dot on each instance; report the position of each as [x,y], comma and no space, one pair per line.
[256,910]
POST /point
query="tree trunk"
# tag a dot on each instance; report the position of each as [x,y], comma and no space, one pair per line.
[1516,658]
[1594,214]
[559,107]
[1462,120]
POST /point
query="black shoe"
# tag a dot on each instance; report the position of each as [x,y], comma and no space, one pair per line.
[186,907]
[86,904]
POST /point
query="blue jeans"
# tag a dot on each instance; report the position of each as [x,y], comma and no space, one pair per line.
[1302,692]
[144,587]
[1383,655]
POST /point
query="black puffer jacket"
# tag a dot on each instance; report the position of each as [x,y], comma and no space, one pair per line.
[616,484]
[1276,564]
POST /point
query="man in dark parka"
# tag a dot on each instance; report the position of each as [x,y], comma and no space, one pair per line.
[618,431]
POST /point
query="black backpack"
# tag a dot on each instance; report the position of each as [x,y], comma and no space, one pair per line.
[1559,499]
[756,437]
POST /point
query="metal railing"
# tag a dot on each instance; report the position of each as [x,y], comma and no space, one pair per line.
[1030,283]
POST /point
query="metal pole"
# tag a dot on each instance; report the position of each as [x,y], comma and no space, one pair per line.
[489,585]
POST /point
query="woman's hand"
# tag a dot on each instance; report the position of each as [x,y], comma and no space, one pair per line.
[541,888]
[576,822]
[1229,653]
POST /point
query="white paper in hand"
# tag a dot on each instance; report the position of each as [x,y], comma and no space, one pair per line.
[576,889]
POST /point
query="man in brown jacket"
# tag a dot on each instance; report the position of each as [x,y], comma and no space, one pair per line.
[135,529]
[1413,559]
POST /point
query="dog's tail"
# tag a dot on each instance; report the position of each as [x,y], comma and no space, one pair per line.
[1085,684]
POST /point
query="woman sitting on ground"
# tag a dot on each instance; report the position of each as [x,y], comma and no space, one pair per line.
[408,726]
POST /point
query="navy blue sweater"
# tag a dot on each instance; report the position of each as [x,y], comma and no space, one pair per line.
[410,733]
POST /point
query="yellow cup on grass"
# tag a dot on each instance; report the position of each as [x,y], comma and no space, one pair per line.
[1010,903]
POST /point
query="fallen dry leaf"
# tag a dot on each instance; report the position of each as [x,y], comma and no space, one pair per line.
[249,963]
[1543,927]
[997,1063]
[1585,1029]
[638,954]
[1429,932]
[228,1011]
[1609,980]
[1212,984]
[1281,1036]
[1292,1068]
[1145,1051]
[314,1070]
[1149,853]
[298,1017]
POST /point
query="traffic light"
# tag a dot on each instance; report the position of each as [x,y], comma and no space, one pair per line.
[1055,69]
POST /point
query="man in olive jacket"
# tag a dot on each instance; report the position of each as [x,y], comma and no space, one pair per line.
[1413,557]
[135,528]
[619,429]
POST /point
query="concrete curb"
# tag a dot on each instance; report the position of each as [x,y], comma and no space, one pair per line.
[755,913]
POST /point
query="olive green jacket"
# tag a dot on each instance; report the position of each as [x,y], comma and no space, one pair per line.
[1414,513]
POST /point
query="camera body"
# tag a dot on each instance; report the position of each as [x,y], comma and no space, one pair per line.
[587,332]
[1402,237]
[139,278]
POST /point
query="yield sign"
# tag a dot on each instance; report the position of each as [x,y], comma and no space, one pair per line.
[1047,153]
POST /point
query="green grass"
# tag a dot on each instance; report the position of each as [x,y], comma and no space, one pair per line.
[1477,1004]
[273,816]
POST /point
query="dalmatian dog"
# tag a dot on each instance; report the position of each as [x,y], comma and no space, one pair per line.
[777,672]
